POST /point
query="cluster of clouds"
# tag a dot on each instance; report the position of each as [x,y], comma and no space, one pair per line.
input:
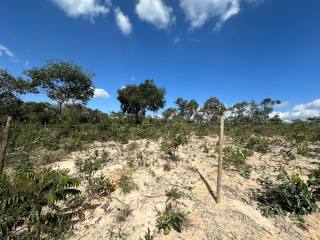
[301,111]
[157,12]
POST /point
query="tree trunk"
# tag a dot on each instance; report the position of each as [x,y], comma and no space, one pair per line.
[4,144]
[60,111]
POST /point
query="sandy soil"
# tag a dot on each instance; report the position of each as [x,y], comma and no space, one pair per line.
[237,217]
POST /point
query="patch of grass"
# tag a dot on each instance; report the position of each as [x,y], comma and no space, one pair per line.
[171,218]
[100,186]
[174,194]
[126,183]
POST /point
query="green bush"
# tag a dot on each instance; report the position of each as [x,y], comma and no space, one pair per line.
[175,137]
[258,144]
[292,195]
[32,205]
[100,186]
[174,194]
[172,217]
[126,183]
[87,167]
[236,157]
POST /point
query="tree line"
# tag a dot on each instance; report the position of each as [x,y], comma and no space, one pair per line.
[71,87]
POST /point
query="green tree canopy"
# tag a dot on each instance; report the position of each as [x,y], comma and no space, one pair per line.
[187,109]
[138,99]
[213,108]
[10,90]
[63,82]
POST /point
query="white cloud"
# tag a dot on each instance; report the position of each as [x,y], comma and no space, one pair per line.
[123,22]
[301,111]
[86,8]
[155,12]
[6,51]
[100,93]
[198,12]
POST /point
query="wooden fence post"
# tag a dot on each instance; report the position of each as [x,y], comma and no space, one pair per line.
[220,159]
[4,144]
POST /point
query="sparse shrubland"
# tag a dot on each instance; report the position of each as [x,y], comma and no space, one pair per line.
[41,203]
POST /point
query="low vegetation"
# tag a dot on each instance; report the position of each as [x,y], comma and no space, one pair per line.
[171,218]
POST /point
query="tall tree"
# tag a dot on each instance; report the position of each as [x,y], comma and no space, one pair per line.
[10,90]
[187,109]
[138,99]
[63,82]
[267,106]
[239,111]
[213,109]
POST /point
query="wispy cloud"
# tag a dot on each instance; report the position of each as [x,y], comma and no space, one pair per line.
[6,51]
[85,8]
[123,21]
[199,12]
[101,93]
[155,12]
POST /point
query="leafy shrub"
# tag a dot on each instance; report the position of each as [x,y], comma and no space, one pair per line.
[51,157]
[247,170]
[73,144]
[89,166]
[314,182]
[175,137]
[126,183]
[303,149]
[100,186]
[30,208]
[174,194]
[258,144]
[172,217]
[293,196]
[236,157]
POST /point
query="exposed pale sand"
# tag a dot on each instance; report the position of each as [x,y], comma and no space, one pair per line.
[237,217]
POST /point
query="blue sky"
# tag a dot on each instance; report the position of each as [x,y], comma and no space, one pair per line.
[233,49]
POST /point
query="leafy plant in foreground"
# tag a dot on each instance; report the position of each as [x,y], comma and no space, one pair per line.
[292,196]
[172,217]
[29,205]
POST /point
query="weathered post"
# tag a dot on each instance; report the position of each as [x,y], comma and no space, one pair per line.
[4,144]
[220,159]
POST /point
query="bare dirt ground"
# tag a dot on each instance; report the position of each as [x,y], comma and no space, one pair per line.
[237,217]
